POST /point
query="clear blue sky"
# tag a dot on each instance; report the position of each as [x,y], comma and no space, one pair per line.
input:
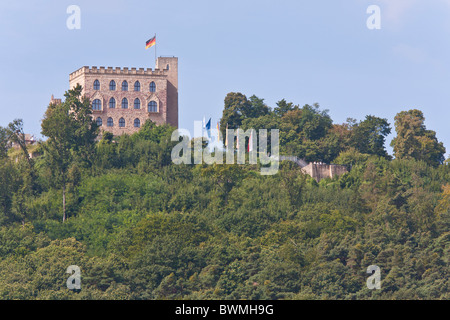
[303,51]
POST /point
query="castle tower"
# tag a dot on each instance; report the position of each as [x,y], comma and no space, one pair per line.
[124,98]
[54,101]
[170,65]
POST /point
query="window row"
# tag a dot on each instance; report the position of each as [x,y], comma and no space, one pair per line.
[137,86]
[110,122]
[151,107]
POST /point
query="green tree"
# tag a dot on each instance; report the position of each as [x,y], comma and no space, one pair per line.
[29,186]
[315,123]
[257,108]
[71,134]
[86,129]
[293,182]
[283,106]
[58,126]
[17,136]
[414,141]
[225,176]
[369,136]
[302,133]
[8,186]
[4,143]
[236,106]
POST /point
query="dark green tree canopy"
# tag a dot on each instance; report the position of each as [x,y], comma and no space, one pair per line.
[414,141]
[71,133]
[238,108]
[307,132]
[283,107]
[369,136]
[141,227]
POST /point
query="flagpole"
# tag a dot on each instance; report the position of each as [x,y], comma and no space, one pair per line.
[155,50]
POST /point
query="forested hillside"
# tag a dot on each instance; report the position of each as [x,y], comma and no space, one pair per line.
[141,227]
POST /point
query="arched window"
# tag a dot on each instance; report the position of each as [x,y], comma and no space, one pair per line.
[99,121]
[137,86]
[96,104]
[152,86]
[121,122]
[96,85]
[124,103]
[137,123]
[124,86]
[137,103]
[152,106]
[110,122]
[167,67]
[112,103]
[112,85]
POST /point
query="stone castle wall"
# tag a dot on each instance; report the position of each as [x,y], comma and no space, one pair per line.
[165,77]
[170,64]
[321,171]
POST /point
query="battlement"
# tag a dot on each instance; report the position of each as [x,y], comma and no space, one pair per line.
[117,71]
[317,170]
[119,109]
[53,100]
[320,171]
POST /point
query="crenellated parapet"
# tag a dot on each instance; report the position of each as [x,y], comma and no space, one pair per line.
[124,98]
[320,171]
[317,170]
[117,71]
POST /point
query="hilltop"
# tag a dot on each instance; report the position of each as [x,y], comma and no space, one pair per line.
[141,227]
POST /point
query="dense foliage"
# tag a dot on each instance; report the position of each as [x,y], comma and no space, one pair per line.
[140,227]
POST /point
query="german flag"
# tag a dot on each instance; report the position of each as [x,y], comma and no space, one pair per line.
[150,43]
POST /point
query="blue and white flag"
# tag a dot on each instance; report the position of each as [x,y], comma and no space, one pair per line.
[208,128]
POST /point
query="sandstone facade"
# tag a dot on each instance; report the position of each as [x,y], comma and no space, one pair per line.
[151,94]
[321,171]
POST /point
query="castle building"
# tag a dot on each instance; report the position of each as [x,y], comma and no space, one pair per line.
[317,170]
[320,171]
[123,99]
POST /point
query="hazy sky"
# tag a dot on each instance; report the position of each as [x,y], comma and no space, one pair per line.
[303,51]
